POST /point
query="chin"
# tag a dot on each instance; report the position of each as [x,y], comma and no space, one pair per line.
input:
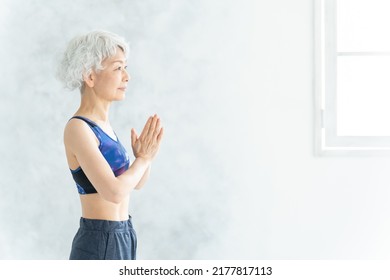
[119,97]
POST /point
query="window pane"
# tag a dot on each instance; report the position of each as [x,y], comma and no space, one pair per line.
[363,96]
[363,25]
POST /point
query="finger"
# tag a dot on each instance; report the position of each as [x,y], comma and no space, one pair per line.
[153,124]
[157,128]
[133,136]
[146,128]
[160,135]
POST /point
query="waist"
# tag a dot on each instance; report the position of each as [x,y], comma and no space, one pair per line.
[106,225]
[94,207]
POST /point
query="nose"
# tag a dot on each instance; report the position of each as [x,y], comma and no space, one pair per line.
[126,76]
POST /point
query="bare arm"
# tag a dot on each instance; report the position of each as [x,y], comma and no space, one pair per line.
[80,140]
[144,178]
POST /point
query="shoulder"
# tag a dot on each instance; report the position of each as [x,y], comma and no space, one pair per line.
[74,127]
[78,133]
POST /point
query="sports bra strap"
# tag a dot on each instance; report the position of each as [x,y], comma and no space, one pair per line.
[88,121]
[95,128]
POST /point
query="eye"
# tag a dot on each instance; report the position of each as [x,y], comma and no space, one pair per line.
[120,68]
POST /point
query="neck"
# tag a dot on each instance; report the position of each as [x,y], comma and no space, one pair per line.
[93,106]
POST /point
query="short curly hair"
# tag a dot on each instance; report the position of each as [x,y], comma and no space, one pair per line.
[86,53]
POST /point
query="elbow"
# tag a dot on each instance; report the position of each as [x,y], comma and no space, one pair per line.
[117,192]
[114,198]
[114,194]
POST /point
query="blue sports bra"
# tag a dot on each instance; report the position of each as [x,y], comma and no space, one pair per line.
[113,152]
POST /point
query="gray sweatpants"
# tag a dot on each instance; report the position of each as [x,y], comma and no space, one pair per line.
[104,240]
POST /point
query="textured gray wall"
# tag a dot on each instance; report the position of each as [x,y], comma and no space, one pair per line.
[235,178]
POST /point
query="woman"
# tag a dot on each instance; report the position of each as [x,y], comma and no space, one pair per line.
[99,164]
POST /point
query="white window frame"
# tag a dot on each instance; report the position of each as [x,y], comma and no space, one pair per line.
[327,142]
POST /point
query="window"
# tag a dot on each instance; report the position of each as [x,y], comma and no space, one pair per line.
[352,76]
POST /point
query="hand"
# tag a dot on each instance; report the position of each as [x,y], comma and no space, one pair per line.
[148,143]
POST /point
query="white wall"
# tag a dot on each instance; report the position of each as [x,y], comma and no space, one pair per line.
[236,177]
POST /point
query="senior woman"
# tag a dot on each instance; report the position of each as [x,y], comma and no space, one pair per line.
[96,64]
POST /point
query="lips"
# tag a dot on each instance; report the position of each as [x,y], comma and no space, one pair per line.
[122,88]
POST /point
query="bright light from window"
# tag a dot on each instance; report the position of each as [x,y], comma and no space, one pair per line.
[363,96]
[363,26]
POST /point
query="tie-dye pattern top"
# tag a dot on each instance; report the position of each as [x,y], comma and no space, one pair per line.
[112,150]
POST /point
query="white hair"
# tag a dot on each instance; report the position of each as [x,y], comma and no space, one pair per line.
[86,53]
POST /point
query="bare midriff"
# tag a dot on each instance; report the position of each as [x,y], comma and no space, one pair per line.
[95,207]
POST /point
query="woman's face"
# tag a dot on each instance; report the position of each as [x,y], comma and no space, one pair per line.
[111,82]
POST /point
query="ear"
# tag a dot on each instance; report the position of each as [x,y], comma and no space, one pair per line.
[89,79]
